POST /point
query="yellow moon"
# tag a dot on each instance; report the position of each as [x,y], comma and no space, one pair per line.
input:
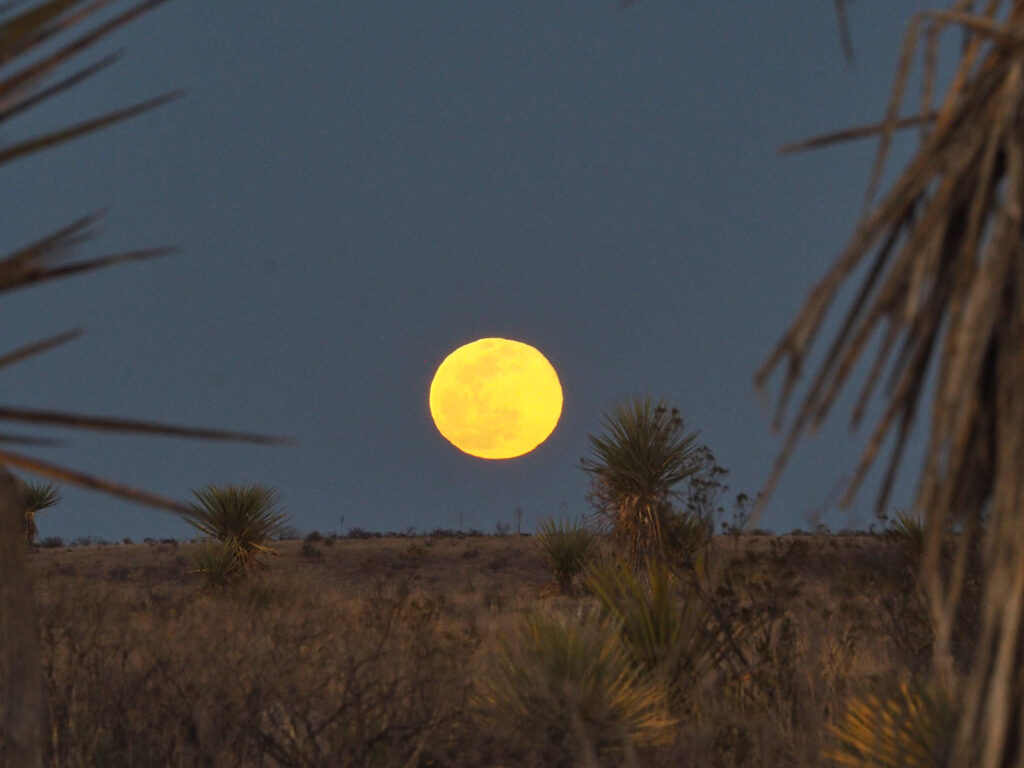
[495,398]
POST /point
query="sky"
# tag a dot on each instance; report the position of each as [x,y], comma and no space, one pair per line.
[358,188]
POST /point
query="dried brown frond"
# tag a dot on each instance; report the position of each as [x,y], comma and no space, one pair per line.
[947,284]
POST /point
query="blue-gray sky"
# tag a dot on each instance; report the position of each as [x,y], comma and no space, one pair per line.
[359,188]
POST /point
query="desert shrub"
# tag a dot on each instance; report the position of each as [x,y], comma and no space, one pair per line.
[163,678]
[665,627]
[38,496]
[566,547]
[359,533]
[243,518]
[52,542]
[686,536]
[907,531]
[635,466]
[566,685]
[311,553]
[912,727]
[217,562]
[314,536]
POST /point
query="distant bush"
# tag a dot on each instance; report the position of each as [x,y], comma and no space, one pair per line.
[359,533]
[315,536]
[444,533]
[311,553]
[52,542]
[566,547]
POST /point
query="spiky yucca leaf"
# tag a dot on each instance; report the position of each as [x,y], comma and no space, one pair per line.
[568,682]
[635,465]
[566,547]
[243,517]
[36,42]
[911,729]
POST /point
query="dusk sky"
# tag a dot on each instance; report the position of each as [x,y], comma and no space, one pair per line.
[358,188]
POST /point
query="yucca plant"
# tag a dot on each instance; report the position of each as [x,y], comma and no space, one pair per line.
[908,532]
[635,465]
[38,497]
[567,685]
[244,518]
[665,627]
[217,562]
[566,546]
[913,728]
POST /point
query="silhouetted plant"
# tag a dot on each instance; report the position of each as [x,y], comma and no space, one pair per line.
[38,497]
[566,547]
[242,517]
[635,465]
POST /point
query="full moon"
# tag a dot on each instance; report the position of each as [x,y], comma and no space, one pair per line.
[495,398]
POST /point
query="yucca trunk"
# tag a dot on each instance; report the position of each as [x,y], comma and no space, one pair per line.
[21,678]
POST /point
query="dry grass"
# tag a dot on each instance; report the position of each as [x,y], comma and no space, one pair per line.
[371,653]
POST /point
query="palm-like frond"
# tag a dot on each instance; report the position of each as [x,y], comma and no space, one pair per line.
[41,496]
[635,464]
[944,288]
[31,57]
[244,517]
[31,35]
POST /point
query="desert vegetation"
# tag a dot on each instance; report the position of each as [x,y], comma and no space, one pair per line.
[456,650]
[663,644]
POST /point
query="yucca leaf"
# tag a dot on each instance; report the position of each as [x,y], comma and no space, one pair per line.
[40,346]
[116,424]
[92,482]
[80,129]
